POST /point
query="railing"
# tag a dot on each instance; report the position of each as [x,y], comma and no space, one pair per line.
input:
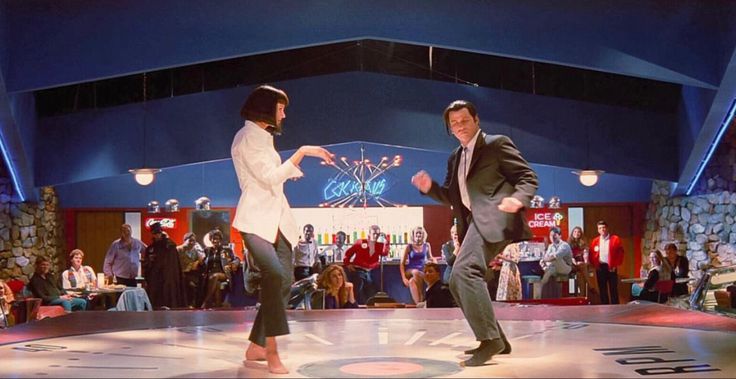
[712,279]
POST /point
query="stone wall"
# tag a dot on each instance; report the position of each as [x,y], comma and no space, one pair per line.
[702,225]
[28,230]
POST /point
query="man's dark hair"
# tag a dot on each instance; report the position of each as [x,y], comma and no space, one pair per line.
[342,233]
[308,226]
[435,266]
[456,106]
[555,229]
[41,259]
[216,232]
[601,222]
[261,104]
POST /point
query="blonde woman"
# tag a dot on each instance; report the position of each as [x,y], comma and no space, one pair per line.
[412,263]
[6,300]
[338,291]
[660,269]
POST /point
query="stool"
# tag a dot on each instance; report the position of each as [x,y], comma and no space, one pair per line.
[554,287]
[564,283]
[528,280]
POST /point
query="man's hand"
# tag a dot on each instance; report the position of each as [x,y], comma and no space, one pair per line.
[510,205]
[422,181]
[351,267]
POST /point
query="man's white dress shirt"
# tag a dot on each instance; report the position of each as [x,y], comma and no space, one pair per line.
[466,156]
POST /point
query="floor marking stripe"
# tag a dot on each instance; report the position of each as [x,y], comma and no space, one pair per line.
[317,339]
[445,338]
[415,337]
[383,336]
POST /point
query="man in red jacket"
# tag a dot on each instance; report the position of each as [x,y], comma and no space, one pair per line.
[607,255]
[363,257]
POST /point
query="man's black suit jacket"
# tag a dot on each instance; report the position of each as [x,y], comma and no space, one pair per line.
[497,170]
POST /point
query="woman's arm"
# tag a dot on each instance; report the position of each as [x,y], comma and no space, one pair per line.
[402,269]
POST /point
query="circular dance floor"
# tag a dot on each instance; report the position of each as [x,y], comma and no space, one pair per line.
[404,343]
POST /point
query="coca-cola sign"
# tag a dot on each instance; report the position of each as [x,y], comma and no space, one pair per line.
[166,223]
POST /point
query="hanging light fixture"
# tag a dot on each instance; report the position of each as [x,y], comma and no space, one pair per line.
[202,204]
[154,207]
[171,205]
[537,202]
[146,175]
[587,176]
[554,202]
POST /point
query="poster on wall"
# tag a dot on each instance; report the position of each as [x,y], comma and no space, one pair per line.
[173,224]
[541,220]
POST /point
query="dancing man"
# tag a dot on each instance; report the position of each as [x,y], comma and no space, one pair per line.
[488,184]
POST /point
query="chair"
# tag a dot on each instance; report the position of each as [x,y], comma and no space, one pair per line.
[723,299]
[301,292]
[664,288]
[16,286]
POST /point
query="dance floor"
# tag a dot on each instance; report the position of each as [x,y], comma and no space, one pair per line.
[633,340]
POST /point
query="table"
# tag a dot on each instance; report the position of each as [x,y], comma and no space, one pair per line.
[644,279]
[108,296]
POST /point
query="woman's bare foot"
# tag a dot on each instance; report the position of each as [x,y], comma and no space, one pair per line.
[274,364]
[255,353]
[272,357]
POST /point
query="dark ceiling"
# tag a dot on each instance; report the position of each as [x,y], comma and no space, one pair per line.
[385,57]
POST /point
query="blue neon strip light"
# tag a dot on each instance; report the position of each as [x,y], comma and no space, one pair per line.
[712,148]
[11,169]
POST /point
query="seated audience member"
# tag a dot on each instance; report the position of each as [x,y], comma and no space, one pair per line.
[493,276]
[412,262]
[338,292]
[305,255]
[556,262]
[660,270]
[191,258]
[449,253]
[335,252]
[47,286]
[219,264]
[78,276]
[6,300]
[438,293]
[680,269]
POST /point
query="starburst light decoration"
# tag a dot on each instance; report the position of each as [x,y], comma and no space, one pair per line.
[360,183]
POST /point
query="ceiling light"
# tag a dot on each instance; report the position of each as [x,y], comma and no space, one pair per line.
[144,176]
[588,178]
